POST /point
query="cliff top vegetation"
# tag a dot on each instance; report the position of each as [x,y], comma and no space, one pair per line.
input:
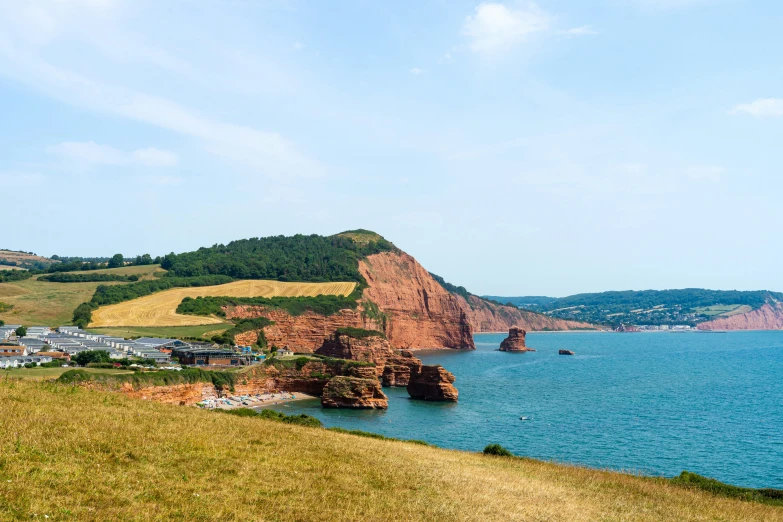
[111,460]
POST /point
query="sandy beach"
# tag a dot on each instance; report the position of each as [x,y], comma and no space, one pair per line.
[251,401]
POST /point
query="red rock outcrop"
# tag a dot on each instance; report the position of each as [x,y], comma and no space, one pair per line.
[398,369]
[433,383]
[418,312]
[304,333]
[354,392]
[485,316]
[515,342]
[768,317]
[373,348]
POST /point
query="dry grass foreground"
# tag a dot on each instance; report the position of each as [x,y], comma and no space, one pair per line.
[159,309]
[74,454]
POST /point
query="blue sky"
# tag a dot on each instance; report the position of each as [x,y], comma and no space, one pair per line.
[515,148]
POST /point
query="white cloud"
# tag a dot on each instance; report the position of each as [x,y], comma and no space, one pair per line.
[298,45]
[153,157]
[89,153]
[495,28]
[416,71]
[761,108]
[446,58]
[585,30]
[705,172]
[24,38]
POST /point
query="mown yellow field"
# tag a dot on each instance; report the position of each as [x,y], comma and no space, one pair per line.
[160,309]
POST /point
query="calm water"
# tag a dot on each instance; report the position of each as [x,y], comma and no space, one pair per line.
[655,403]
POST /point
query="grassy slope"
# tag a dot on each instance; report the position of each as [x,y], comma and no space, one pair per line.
[39,303]
[70,453]
[164,331]
[39,373]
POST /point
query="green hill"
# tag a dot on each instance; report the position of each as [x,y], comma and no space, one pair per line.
[297,258]
[651,307]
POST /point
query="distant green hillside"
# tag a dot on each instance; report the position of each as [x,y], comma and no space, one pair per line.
[297,258]
[650,307]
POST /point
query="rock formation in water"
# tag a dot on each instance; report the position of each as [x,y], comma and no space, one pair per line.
[398,369]
[566,352]
[354,392]
[515,342]
[768,317]
[432,383]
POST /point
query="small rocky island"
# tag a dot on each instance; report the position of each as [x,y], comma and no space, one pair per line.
[433,383]
[515,342]
[566,352]
[377,363]
[354,392]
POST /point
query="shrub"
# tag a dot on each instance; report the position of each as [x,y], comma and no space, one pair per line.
[694,481]
[91,356]
[359,333]
[497,450]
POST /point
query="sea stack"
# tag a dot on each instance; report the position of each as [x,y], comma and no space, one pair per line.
[354,392]
[432,383]
[515,342]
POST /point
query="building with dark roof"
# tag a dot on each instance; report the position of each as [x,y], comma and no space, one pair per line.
[208,357]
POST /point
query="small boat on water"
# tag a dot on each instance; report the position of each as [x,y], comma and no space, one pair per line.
[526,418]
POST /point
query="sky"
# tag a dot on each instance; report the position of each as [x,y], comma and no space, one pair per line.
[516,148]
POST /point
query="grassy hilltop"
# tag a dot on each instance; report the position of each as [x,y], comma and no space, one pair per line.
[71,454]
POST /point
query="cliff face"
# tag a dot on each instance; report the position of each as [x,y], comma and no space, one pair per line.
[420,312]
[489,317]
[304,333]
[768,317]
[373,349]
[405,302]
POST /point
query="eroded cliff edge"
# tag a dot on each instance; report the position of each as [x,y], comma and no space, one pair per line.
[768,317]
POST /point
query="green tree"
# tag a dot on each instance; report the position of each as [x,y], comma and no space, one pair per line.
[92,356]
[2,323]
[116,261]
[21,331]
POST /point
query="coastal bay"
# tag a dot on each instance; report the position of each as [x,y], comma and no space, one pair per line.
[651,403]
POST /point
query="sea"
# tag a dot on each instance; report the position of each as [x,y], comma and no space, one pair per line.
[652,403]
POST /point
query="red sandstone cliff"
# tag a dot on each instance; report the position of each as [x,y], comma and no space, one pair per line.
[490,317]
[304,333]
[768,317]
[420,312]
[405,302]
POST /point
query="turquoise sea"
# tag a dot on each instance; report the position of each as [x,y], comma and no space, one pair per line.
[653,403]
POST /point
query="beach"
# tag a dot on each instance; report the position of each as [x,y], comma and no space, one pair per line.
[251,401]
